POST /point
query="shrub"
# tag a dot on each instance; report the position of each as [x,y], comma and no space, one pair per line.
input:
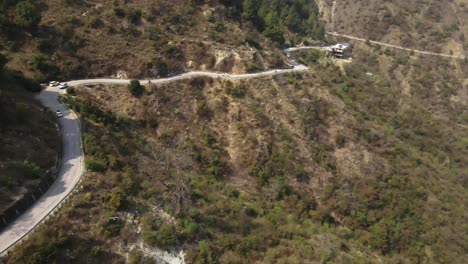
[165,236]
[275,36]
[3,61]
[135,257]
[115,200]
[71,90]
[119,12]
[96,251]
[134,16]
[95,165]
[136,89]
[27,84]
[252,67]
[238,91]
[112,227]
[27,15]
[204,253]
[96,22]
[252,42]
[203,110]
[219,26]
[28,169]
[50,71]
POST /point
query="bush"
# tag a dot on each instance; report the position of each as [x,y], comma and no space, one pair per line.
[253,67]
[238,91]
[112,226]
[119,12]
[71,90]
[203,110]
[135,257]
[165,236]
[251,40]
[134,16]
[115,200]
[3,61]
[204,253]
[274,35]
[27,15]
[50,71]
[95,165]
[96,22]
[136,89]
[27,84]
[96,251]
[28,169]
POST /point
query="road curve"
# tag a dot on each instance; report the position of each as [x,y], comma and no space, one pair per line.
[70,171]
[72,165]
[397,47]
[296,68]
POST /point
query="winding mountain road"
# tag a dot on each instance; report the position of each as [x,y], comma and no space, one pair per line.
[70,171]
[72,165]
[296,68]
[396,46]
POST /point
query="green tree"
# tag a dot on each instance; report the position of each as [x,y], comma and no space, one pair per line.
[136,89]
[27,15]
[250,8]
[3,61]
[204,253]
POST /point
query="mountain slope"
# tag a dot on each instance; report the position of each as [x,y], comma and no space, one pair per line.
[438,26]
[29,142]
[145,38]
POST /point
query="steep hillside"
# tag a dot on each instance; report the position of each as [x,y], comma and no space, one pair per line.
[353,161]
[335,165]
[29,140]
[439,26]
[148,38]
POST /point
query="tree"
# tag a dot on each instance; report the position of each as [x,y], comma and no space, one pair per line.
[250,8]
[27,15]
[136,89]
[204,253]
[3,61]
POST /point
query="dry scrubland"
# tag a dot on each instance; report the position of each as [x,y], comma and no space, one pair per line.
[333,165]
[77,39]
[438,26]
[364,162]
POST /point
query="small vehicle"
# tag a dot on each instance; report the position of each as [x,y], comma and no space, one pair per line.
[59,114]
[54,83]
[62,85]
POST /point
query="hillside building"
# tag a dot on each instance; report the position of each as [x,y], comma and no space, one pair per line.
[338,50]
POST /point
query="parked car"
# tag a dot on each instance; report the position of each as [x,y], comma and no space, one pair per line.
[63,85]
[53,83]
[59,114]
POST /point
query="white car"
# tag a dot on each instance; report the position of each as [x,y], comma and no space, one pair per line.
[53,83]
[63,85]
[59,114]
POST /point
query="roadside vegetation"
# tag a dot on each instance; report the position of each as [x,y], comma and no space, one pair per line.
[332,165]
[29,140]
[348,163]
[49,40]
[425,25]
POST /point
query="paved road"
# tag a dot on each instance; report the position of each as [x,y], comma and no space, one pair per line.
[296,68]
[72,166]
[70,171]
[397,47]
